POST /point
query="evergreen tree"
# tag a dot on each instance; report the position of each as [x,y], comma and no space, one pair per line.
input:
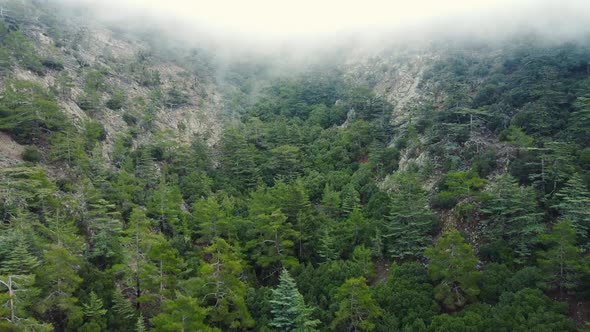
[331,201]
[17,296]
[513,218]
[406,232]
[104,230]
[288,308]
[221,288]
[136,244]
[350,199]
[122,306]
[210,219]
[406,297]
[94,311]
[356,309]
[562,263]
[452,264]
[327,249]
[140,324]
[237,160]
[574,205]
[59,280]
[19,261]
[181,314]
[353,231]
[272,241]
[94,307]
[28,112]
[362,257]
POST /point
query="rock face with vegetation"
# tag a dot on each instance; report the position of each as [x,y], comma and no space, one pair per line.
[146,186]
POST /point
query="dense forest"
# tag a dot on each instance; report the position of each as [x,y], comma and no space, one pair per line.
[310,208]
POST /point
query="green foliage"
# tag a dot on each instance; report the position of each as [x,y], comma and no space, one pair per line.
[516,136]
[452,264]
[20,49]
[94,85]
[574,205]
[526,310]
[272,241]
[407,230]
[122,306]
[493,282]
[31,154]
[168,236]
[237,160]
[28,112]
[59,281]
[220,288]
[357,311]
[94,132]
[459,186]
[288,308]
[181,314]
[513,220]
[407,296]
[94,312]
[117,100]
[562,263]
[175,97]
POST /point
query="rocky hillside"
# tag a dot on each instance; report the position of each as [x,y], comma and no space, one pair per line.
[147,184]
[113,78]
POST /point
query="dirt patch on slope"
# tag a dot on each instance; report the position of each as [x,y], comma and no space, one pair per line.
[10,151]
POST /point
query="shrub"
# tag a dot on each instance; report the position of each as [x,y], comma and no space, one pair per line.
[31,154]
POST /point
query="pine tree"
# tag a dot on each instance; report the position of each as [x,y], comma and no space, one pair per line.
[94,308]
[137,243]
[104,229]
[59,280]
[140,325]
[220,287]
[406,232]
[145,172]
[562,263]
[19,261]
[452,264]
[350,199]
[362,257]
[272,241]
[237,160]
[67,145]
[121,305]
[513,218]
[181,314]
[61,230]
[165,207]
[331,201]
[17,295]
[357,311]
[354,230]
[210,219]
[94,312]
[288,307]
[327,249]
[574,205]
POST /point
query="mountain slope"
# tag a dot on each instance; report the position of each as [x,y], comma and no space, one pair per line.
[147,185]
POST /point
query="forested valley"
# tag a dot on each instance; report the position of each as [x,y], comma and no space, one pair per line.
[149,190]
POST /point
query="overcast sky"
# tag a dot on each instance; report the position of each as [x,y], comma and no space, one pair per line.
[285,20]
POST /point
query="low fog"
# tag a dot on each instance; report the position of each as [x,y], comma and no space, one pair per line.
[270,24]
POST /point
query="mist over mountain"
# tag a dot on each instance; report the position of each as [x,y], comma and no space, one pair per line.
[294,166]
